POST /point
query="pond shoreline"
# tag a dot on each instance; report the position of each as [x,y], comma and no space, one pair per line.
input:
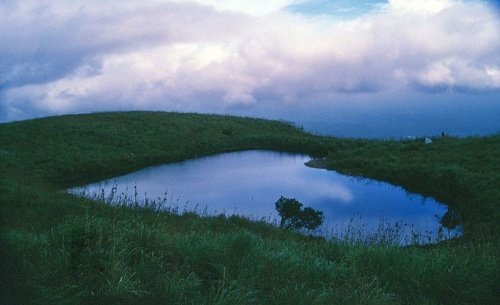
[248,183]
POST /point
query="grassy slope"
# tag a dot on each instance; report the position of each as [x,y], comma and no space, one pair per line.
[61,249]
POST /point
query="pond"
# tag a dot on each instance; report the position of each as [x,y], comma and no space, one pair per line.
[249,183]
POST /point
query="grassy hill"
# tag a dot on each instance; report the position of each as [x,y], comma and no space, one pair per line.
[60,249]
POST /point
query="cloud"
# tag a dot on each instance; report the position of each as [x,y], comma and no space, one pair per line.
[254,7]
[420,6]
[206,55]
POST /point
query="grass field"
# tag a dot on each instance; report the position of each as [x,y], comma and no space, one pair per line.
[61,249]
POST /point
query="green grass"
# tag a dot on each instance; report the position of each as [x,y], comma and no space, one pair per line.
[60,249]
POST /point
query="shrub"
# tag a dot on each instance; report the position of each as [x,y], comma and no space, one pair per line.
[294,217]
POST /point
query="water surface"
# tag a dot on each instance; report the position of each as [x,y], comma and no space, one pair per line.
[249,183]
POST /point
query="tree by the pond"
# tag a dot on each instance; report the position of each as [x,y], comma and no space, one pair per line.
[294,217]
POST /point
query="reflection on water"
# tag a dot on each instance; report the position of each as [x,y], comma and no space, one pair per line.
[249,183]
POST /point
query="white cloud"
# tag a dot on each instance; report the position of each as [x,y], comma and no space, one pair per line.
[420,6]
[65,56]
[254,7]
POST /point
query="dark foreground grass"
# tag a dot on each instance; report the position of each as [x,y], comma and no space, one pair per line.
[60,249]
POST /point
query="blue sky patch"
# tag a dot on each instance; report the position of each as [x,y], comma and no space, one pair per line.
[342,9]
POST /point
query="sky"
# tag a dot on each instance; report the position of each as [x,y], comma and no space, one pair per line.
[349,64]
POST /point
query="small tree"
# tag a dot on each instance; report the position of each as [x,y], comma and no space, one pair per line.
[289,210]
[311,219]
[293,217]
